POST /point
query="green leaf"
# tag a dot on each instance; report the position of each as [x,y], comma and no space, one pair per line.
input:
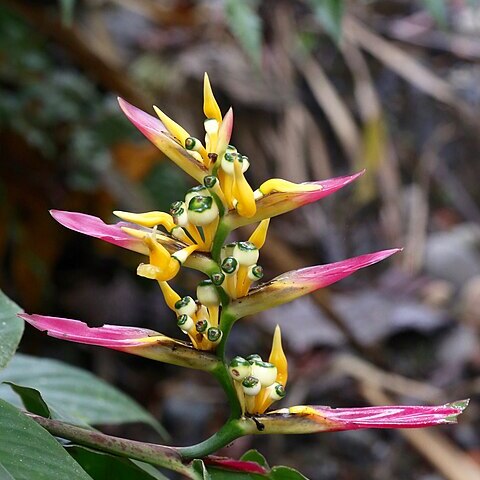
[330,14]
[74,393]
[102,466]
[11,329]
[244,22]
[255,456]
[286,473]
[28,452]
[32,400]
[200,468]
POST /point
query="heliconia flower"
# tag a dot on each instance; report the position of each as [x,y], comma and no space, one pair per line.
[296,283]
[222,161]
[313,419]
[137,341]
[133,240]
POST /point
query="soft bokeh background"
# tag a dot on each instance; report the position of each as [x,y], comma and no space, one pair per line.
[319,89]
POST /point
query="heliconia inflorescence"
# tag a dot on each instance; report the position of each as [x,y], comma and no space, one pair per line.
[194,233]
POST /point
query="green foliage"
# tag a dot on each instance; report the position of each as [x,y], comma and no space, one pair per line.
[245,23]
[66,9]
[330,14]
[103,466]
[27,451]
[11,329]
[255,456]
[32,400]
[438,10]
[73,393]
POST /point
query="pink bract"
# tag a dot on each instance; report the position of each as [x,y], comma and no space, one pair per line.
[110,336]
[95,227]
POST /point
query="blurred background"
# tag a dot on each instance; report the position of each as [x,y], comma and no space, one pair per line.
[319,88]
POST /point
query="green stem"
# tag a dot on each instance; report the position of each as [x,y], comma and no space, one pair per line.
[221,235]
[160,455]
[232,430]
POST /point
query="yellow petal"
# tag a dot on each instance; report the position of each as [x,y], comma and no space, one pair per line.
[278,358]
[210,105]
[243,193]
[260,234]
[159,255]
[173,127]
[280,185]
[148,219]
[170,295]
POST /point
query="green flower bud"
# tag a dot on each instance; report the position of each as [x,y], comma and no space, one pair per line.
[178,211]
[255,272]
[231,149]
[214,334]
[207,294]
[210,181]
[246,253]
[202,325]
[185,322]
[230,265]
[191,143]
[227,163]
[217,278]
[254,357]
[251,386]
[198,190]
[276,391]
[186,306]
[239,368]
[202,210]
[265,372]
[245,163]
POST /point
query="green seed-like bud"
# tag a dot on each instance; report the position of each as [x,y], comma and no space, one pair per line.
[214,334]
[239,368]
[231,149]
[207,294]
[245,163]
[218,278]
[251,386]
[210,181]
[254,357]
[230,265]
[186,306]
[202,210]
[265,372]
[246,253]
[227,162]
[198,190]
[191,143]
[185,322]
[202,325]
[178,211]
[255,272]
[276,391]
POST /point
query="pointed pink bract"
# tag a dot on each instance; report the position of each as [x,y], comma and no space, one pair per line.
[95,227]
[110,336]
[235,465]
[392,416]
[327,187]
[150,126]
[320,276]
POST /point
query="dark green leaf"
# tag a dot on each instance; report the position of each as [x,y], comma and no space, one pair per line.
[255,456]
[66,9]
[245,23]
[11,329]
[102,466]
[286,473]
[28,452]
[330,14]
[73,393]
[32,400]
